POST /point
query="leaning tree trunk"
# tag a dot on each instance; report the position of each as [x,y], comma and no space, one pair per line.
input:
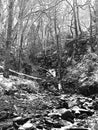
[8,41]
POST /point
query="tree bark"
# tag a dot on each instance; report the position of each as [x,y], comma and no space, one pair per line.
[90,40]
[75,17]
[20,32]
[96,15]
[8,41]
[0,16]
[20,53]
[78,20]
[58,46]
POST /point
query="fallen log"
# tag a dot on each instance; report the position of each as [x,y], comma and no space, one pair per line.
[12,72]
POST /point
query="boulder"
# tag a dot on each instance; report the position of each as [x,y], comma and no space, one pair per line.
[69,116]
[89,89]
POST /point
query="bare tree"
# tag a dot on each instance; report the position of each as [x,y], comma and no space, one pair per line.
[22,25]
[20,28]
[57,43]
[8,41]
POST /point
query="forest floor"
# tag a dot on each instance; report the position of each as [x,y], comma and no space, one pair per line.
[27,109]
[24,107]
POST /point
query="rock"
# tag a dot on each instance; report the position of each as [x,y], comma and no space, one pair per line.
[82,112]
[88,89]
[69,116]
[10,92]
[20,120]
[87,105]
[67,126]
[6,125]
[27,126]
[82,116]
[52,123]
[38,115]
[76,111]
[3,115]
[93,97]
[17,118]
[95,126]
[48,122]
[29,86]
[57,112]
[88,112]
[54,115]
[62,104]
[39,127]
[84,90]
[95,105]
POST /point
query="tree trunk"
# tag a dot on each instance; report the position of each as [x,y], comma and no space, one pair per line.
[78,20]
[20,52]
[90,21]
[20,32]
[0,16]
[75,18]
[21,44]
[96,15]
[71,28]
[8,41]
[58,46]
[90,40]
